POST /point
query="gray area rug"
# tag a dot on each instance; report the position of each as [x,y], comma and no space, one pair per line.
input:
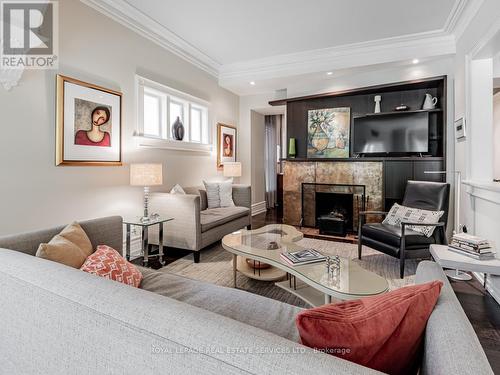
[216,267]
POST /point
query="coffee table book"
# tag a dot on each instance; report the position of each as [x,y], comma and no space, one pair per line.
[300,257]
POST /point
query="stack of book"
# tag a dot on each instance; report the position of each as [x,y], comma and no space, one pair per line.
[305,256]
[472,246]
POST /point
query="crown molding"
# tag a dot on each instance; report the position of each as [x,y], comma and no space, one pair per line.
[421,45]
[134,19]
[429,44]
[461,16]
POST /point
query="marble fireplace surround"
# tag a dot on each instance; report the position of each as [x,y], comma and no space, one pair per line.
[368,173]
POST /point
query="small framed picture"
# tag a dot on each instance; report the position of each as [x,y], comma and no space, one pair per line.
[226,144]
[460,133]
[88,124]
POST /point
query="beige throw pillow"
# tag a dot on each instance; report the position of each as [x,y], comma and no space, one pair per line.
[70,247]
[220,193]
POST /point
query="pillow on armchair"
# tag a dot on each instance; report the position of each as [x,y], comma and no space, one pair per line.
[399,213]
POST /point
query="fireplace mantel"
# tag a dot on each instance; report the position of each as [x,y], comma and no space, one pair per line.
[359,172]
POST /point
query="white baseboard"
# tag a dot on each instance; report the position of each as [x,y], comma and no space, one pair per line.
[259,208]
[494,292]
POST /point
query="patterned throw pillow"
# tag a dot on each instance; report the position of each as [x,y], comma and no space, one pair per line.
[219,194]
[399,213]
[107,262]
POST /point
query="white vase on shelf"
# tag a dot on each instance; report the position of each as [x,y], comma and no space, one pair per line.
[377,99]
[429,102]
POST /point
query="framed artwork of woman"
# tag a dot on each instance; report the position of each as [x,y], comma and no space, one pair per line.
[226,144]
[88,129]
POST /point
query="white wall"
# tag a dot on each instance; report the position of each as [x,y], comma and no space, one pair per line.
[36,194]
[248,140]
[480,206]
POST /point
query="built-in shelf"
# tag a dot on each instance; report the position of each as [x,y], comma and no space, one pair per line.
[380,158]
[395,113]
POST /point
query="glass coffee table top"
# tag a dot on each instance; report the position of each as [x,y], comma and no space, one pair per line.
[265,245]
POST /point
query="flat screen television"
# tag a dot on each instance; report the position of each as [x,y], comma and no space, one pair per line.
[397,134]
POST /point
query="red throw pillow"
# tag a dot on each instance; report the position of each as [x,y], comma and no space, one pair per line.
[107,262]
[382,332]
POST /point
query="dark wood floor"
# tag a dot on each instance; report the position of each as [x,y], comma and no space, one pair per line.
[481,309]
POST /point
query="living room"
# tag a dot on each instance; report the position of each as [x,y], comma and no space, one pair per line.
[285,187]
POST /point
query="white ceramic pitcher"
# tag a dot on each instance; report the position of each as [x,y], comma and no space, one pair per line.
[430,102]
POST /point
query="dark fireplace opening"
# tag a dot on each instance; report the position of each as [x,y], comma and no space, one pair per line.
[334,213]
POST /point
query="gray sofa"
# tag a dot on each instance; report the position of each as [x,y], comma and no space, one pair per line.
[195,226]
[59,320]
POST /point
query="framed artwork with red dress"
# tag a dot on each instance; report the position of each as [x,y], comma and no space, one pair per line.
[88,124]
[226,144]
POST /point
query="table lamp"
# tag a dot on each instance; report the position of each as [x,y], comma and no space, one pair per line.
[146,175]
[232,169]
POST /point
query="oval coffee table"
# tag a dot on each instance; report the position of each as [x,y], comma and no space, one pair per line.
[313,285]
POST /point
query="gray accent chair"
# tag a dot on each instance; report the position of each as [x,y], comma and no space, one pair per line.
[195,226]
[59,320]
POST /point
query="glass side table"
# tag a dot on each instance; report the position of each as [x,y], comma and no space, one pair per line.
[137,221]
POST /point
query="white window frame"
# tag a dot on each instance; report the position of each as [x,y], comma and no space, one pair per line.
[169,95]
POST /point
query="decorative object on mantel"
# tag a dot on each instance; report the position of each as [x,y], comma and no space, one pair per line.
[377,100]
[146,175]
[88,124]
[226,144]
[460,134]
[429,102]
[178,130]
[292,148]
[328,132]
[402,107]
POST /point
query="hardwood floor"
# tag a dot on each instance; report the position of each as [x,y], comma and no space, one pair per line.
[481,309]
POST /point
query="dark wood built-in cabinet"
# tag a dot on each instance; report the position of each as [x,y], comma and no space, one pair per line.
[398,172]
[397,169]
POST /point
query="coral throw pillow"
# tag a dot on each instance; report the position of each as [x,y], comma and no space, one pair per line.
[382,332]
[107,262]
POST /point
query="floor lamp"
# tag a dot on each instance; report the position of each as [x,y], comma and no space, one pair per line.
[455,274]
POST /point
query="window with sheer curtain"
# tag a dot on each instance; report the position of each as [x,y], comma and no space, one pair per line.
[272,157]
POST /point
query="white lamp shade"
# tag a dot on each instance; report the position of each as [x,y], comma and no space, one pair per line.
[146,174]
[232,169]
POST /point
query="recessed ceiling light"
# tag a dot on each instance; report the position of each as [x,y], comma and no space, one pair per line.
[415,61]
[252,83]
[329,73]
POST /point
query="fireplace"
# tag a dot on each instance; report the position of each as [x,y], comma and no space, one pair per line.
[334,212]
[332,208]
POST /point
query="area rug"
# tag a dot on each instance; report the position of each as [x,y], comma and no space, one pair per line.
[216,267]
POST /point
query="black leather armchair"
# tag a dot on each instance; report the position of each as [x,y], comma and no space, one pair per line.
[400,241]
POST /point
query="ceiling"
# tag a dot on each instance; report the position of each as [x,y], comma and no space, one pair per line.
[238,30]
[274,42]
